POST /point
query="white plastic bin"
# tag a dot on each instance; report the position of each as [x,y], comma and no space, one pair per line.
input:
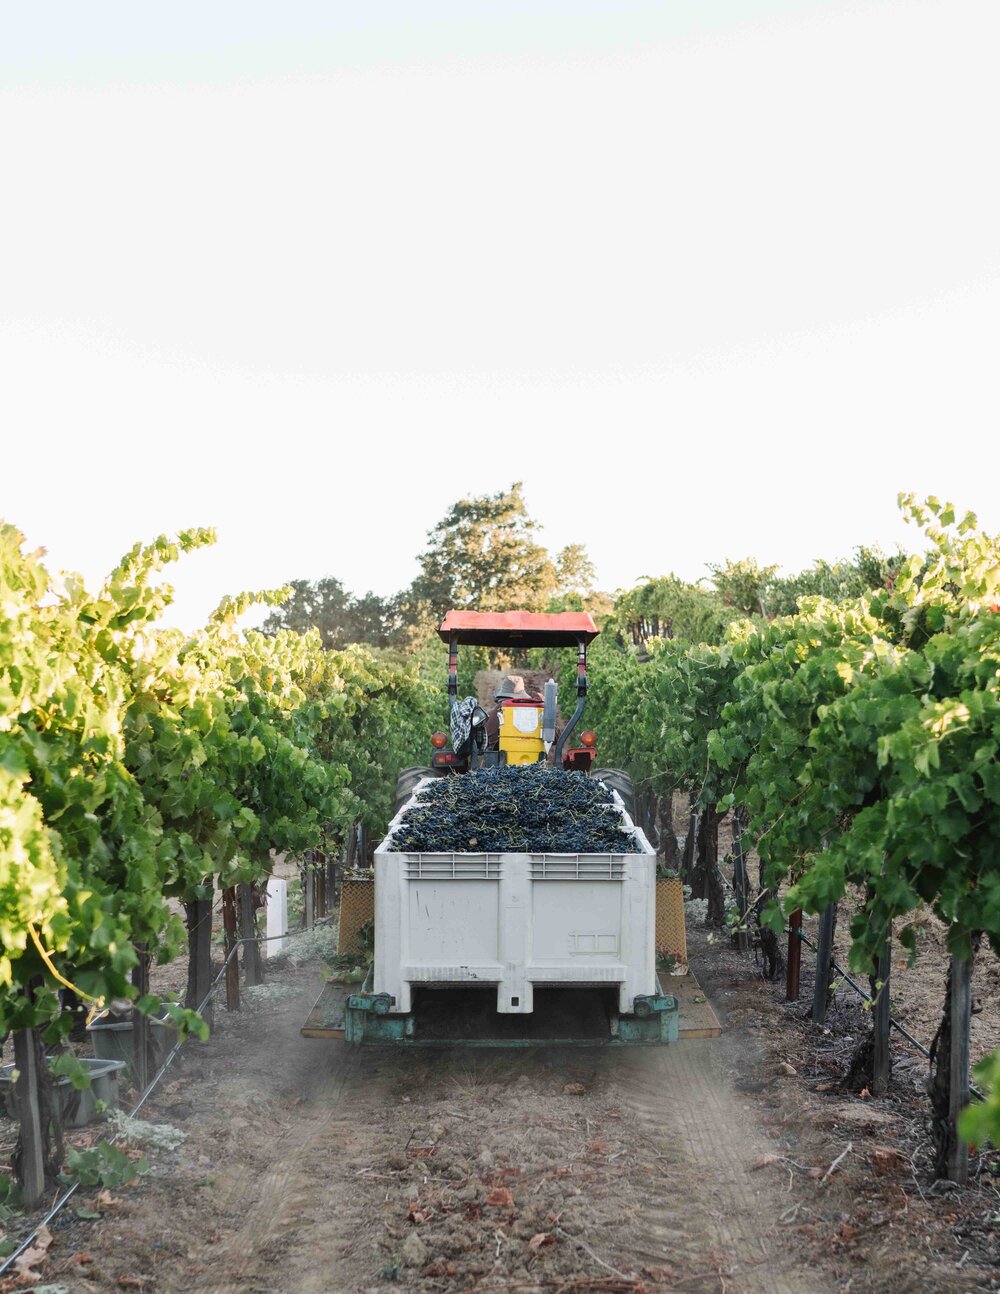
[515,921]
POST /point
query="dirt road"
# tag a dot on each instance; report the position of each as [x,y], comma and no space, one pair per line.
[642,1165]
[315,1168]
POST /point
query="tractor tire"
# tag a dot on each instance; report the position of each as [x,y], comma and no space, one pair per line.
[406,781]
[618,780]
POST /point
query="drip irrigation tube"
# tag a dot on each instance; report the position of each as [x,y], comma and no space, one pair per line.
[70,1191]
[868,998]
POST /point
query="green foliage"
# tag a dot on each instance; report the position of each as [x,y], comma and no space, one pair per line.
[980,1123]
[575,573]
[10,1204]
[859,736]
[483,555]
[673,608]
[339,616]
[870,569]
[66,1065]
[743,585]
[139,764]
[103,1165]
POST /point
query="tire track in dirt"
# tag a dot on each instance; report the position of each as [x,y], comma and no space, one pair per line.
[310,1222]
[280,1236]
[705,1210]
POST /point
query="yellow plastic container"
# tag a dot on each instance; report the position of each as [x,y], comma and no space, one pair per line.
[521,733]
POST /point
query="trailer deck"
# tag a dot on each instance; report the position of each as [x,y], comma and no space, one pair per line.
[695,1019]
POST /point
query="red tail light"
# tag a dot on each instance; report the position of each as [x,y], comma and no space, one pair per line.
[588,738]
[439,740]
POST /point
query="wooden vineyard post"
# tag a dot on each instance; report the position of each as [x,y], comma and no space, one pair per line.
[32,1159]
[687,858]
[740,887]
[958,1084]
[199,924]
[332,867]
[140,1023]
[881,1060]
[824,962]
[229,925]
[253,971]
[794,960]
[351,859]
[308,896]
[319,871]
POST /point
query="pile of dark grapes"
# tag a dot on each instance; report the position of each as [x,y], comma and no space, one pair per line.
[518,809]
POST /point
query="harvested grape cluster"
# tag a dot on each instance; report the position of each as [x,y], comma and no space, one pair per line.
[514,809]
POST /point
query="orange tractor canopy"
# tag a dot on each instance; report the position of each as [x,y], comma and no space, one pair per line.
[524,725]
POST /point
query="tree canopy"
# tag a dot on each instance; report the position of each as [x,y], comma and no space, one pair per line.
[338,615]
[483,554]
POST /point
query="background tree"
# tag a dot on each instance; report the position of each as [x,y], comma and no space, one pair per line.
[483,555]
[575,571]
[743,585]
[340,617]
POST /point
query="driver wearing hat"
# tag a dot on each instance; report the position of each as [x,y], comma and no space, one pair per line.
[512,688]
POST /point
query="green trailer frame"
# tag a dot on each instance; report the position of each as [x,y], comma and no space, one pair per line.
[366,1017]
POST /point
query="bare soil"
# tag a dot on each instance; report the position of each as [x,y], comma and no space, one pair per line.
[737,1165]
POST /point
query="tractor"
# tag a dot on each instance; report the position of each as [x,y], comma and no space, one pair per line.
[527,727]
[512,949]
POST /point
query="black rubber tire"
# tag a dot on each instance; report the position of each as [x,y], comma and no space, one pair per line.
[619,781]
[407,780]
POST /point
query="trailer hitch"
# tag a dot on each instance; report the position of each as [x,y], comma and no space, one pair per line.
[645,1005]
[377,1003]
[655,1018]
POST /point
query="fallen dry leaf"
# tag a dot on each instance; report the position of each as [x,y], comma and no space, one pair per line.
[864,1094]
[35,1254]
[105,1200]
[500,1198]
[541,1238]
[82,1258]
[573,1089]
[763,1162]
[131,1282]
[440,1268]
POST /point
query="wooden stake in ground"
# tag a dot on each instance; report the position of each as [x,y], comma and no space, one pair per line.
[253,969]
[824,962]
[958,1088]
[319,874]
[705,880]
[881,1060]
[31,1162]
[229,925]
[199,926]
[949,1090]
[794,960]
[333,866]
[141,1054]
[308,897]
[741,886]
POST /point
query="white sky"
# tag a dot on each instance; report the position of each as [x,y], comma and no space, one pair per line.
[713,279]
